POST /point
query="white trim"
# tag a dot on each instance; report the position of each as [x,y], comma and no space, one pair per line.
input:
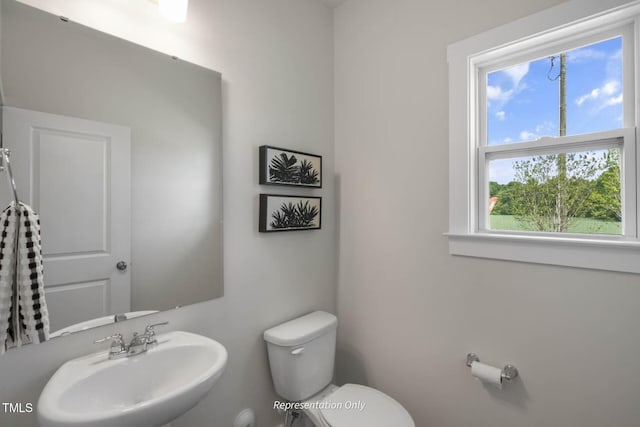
[571,23]
[572,252]
[629,186]
[560,144]
[532,29]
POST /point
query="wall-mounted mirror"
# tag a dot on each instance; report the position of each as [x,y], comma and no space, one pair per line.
[118,149]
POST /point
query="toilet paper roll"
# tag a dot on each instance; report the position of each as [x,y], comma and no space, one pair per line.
[487,374]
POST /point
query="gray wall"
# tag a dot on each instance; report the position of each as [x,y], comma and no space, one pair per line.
[173,110]
[409,313]
[1,88]
[276,60]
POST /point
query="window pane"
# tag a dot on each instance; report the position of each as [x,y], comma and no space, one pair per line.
[523,101]
[566,193]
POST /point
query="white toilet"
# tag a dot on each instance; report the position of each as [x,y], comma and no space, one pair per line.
[301,356]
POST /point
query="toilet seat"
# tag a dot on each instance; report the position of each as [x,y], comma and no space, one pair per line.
[345,408]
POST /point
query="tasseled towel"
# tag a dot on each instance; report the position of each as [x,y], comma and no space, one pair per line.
[33,322]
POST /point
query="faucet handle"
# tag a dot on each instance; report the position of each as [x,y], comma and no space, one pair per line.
[150,332]
[149,329]
[117,347]
[117,339]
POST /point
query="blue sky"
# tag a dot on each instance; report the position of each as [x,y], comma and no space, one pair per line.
[522,103]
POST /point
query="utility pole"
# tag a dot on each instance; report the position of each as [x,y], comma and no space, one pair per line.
[563,94]
[561,217]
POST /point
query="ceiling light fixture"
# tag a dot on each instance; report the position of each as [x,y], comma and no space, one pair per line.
[174,10]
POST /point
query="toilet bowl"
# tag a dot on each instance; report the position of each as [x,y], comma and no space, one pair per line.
[301,358]
[354,405]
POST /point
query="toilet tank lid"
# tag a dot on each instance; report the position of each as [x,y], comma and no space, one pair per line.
[302,329]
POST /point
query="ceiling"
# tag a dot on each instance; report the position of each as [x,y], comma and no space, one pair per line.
[333,3]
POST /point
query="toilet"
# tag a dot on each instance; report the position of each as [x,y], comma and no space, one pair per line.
[301,357]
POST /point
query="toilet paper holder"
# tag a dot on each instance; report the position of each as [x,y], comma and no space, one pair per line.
[509,372]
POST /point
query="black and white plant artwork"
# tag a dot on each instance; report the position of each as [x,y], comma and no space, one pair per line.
[279,166]
[287,213]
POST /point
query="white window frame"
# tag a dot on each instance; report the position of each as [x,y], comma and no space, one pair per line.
[561,28]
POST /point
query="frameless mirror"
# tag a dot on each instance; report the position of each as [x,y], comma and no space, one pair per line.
[118,149]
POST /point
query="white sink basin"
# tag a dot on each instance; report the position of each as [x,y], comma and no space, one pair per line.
[148,389]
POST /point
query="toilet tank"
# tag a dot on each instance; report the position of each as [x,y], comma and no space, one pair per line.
[301,354]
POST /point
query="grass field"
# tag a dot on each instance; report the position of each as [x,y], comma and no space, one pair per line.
[579,225]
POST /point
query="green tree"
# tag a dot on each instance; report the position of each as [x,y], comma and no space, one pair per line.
[605,201]
[543,184]
[504,193]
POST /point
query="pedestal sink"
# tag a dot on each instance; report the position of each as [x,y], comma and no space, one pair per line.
[148,389]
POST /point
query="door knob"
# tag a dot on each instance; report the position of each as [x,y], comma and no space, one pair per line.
[122,266]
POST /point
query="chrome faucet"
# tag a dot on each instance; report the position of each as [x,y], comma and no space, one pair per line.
[117,348]
[150,333]
[140,343]
[137,345]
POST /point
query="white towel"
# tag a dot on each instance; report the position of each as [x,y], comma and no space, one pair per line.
[7,231]
[33,325]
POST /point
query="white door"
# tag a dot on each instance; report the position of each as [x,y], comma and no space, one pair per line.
[76,175]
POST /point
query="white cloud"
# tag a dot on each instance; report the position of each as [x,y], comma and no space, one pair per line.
[500,115]
[495,93]
[545,127]
[607,94]
[591,95]
[585,54]
[610,88]
[610,93]
[517,73]
[614,100]
[525,135]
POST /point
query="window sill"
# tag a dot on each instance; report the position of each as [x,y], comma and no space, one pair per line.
[599,254]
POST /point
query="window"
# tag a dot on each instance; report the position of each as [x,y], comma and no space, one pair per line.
[543,151]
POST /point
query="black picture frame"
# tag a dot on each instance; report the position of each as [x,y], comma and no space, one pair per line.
[281,166]
[289,213]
